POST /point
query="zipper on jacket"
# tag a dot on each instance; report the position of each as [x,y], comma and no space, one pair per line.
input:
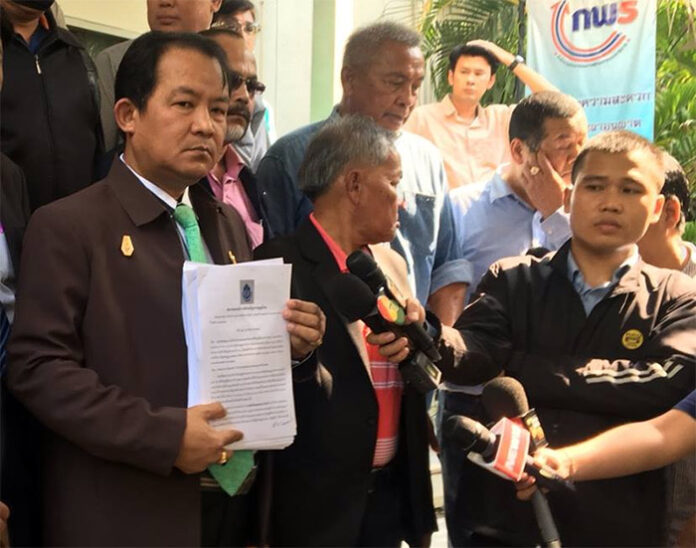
[38,67]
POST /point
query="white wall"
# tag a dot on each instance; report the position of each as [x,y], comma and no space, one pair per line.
[127,18]
[284,56]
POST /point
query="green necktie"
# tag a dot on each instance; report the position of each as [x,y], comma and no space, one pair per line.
[233,474]
[186,217]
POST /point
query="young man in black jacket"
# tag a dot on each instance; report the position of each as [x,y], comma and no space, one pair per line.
[597,338]
[49,107]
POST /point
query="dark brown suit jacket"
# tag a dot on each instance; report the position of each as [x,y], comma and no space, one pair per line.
[98,355]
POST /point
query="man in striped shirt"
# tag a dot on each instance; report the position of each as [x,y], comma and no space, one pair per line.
[357,473]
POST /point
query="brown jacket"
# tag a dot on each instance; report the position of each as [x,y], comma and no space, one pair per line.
[98,355]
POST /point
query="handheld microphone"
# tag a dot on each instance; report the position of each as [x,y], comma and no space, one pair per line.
[364,267]
[355,301]
[503,451]
[505,397]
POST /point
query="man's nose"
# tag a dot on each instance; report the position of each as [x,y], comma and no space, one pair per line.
[202,121]
[611,201]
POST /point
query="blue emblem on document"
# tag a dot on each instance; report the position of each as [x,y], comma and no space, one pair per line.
[246,291]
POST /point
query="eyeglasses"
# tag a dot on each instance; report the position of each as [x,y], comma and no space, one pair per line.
[252,83]
[248,27]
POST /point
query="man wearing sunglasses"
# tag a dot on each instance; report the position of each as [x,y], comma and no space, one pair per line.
[231,181]
[240,16]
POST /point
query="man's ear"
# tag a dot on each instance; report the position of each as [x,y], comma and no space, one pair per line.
[348,76]
[671,212]
[657,211]
[215,5]
[517,150]
[126,115]
[353,185]
[567,191]
[450,77]
[491,82]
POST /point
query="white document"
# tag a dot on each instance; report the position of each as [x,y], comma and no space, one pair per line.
[239,348]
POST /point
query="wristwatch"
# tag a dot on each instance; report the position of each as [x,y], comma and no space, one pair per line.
[518,59]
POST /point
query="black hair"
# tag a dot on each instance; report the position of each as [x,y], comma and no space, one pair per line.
[619,141]
[463,50]
[232,7]
[527,119]
[136,77]
[676,185]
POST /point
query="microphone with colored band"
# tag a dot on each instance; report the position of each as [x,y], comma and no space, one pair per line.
[364,267]
[501,451]
[355,301]
[472,436]
[505,397]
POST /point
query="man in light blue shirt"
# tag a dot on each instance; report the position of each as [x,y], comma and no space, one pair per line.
[521,206]
[383,68]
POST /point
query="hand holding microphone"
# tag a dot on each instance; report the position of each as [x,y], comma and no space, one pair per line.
[387,314]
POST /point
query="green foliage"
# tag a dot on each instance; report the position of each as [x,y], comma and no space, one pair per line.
[675,100]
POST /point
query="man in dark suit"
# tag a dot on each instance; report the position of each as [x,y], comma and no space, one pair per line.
[357,474]
[19,460]
[98,352]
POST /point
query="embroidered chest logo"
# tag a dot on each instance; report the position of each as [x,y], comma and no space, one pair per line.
[632,339]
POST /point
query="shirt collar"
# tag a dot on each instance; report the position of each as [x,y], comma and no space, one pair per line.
[339,255]
[578,280]
[233,166]
[498,187]
[168,200]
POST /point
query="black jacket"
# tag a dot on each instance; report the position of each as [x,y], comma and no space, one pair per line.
[632,358]
[320,482]
[50,120]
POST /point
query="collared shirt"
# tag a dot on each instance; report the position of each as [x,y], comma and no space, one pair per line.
[170,204]
[8,284]
[39,34]
[428,236]
[497,223]
[230,190]
[689,267]
[386,377]
[472,150]
[589,295]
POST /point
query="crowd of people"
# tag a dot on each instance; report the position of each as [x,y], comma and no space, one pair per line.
[532,251]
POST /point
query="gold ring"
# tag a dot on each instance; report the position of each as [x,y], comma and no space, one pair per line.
[223,457]
[534,170]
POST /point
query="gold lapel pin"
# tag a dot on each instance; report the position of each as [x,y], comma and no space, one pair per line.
[232,257]
[127,246]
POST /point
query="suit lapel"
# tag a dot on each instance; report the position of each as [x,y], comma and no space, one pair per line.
[314,249]
[209,213]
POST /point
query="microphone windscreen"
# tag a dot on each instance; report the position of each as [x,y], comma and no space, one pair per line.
[364,267]
[351,296]
[504,397]
[468,434]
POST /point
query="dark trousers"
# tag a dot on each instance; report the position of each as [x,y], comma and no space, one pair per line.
[225,520]
[383,523]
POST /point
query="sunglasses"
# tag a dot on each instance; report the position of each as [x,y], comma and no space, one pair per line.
[247,28]
[252,83]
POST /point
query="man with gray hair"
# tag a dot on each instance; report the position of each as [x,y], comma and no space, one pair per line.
[357,473]
[383,68]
